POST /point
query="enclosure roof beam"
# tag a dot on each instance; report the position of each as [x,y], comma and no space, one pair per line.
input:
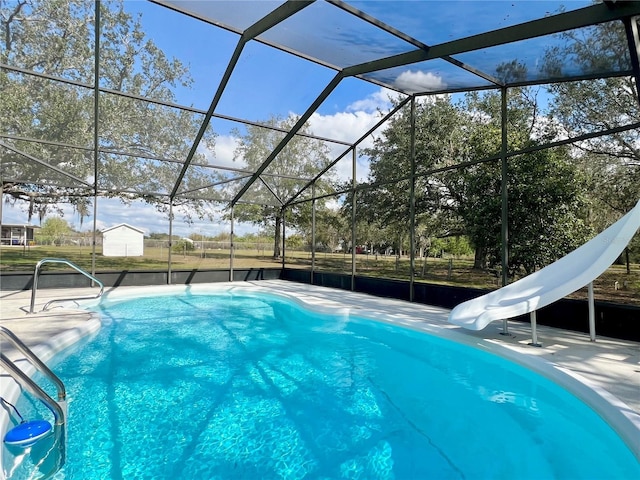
[164,103]
[299,124]
[45,164]
[278,15]
[215,184]
[275,195]
[393,31]
[27,181]
[113,151]
[342,155]
[583,17]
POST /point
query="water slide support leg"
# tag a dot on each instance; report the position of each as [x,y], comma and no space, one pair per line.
[592,314]
[505,327]
[534,330]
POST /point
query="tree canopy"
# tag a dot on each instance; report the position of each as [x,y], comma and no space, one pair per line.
[47,120]
[611,162]
[53,229]
[291,170]
[545,190]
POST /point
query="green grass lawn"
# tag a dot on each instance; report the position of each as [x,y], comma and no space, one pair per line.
[458,271]
[25,259]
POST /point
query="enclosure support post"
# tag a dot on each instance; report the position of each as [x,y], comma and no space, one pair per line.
[504,233]
[592,314]
[534,330]
[170,240]
[412,201]
[353,221]
[284,233]
[633,39]
[96,140]
[231,249]
[313,230]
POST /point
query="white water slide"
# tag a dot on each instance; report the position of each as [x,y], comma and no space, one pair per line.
[563,277]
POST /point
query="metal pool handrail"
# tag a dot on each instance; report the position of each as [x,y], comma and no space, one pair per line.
[35,361]
[58,408]
[36,274]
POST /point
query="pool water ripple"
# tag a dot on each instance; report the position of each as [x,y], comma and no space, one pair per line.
[252,386]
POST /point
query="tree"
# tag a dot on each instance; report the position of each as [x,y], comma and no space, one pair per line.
[545,211]
[611,162]
[332,230]
[183,245]
[55,38]
[300,161]
[383,202]
[544,189]
[54,229]
[295,242]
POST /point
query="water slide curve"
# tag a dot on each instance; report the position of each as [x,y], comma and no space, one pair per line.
[553,282]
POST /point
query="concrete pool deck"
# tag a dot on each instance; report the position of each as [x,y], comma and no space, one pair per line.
[609,364]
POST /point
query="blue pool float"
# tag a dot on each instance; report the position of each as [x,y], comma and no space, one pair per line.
[27,433]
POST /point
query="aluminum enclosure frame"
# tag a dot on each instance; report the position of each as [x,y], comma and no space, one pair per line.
[609,11]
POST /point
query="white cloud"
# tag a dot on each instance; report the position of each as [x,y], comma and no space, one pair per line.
[150,220]
[113,212]
[100,225]
[359,117]
[17,215]
[380,100]
[222,155]
[417,82]
[333,204]
[345,126]
[145,217]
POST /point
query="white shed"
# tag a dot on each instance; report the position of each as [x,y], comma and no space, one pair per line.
[122,241]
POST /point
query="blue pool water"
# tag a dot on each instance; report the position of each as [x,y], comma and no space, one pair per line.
[254,387]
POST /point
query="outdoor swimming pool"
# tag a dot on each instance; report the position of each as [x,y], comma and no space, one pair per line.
[243,385]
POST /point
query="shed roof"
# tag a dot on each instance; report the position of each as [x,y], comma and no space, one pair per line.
[123,225]
[19,225]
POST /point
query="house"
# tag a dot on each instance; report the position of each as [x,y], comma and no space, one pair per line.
[17,234]
[122,241]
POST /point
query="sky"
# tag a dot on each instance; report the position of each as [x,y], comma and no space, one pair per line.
[265,82]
